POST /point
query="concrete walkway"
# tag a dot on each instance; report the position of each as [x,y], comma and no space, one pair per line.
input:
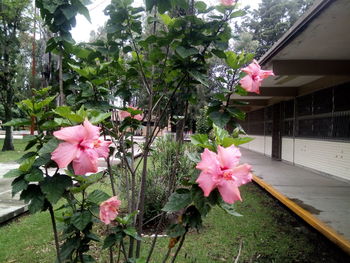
[325,198]
[9,207]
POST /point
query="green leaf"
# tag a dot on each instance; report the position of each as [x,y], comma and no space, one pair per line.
[131,231]
[220,118]
[236,141]
[111,239]
[163,6]
[82,9]
[232,60]
[186,52]
[54,186]
[81,219]
[237,113]
[49,147]
[27,164]
[17,122]
[34,197]
[166,19]
[12,173]
[230,209]
[219,133]
[199,77]
[200,6]
[178,201]
[36,175]
[18,185]
[43,103]
[97,197]
[176,230]
[199,139]
[96,117]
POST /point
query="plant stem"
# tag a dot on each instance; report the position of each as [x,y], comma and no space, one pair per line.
[167,255]
[155,237]
[180,246]
[54,227]
[111,260]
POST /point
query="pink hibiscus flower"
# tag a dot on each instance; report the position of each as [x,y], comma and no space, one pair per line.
[252,81]
[109,210]
[222,171]
[227,2]
[125,114]
[81,146]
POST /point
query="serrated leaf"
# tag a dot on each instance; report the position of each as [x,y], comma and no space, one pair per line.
[219,118]
[200,6]
[203,79]
[17,122]
[131,231]
[18,185]
[34,197]
[177,201]
[186,52]
[12,173]
[111,239]
[49,147]
[27,164]
[198,139]
[97,196]
[236,141]
[53,187]
[81,219]
[35,175]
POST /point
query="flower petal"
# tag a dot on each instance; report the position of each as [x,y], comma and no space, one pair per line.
[229,191]
[247,83]
[209,163]
[92,132]
[228,157]
[72,134]
[102,148]
[206,182]
[64,154]
[86,162]
[242,174]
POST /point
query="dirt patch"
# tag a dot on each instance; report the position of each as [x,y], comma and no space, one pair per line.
[307,207]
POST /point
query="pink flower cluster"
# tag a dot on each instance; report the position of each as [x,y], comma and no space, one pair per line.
[255,76]
[124,114]
[227,2]
[109,209]
[221,170]
[81,146]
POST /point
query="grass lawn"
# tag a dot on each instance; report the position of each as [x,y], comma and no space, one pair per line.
[11,156]
[268,233]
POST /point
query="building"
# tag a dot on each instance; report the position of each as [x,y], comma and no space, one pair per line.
[302,115]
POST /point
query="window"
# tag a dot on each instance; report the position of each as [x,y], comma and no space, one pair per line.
[322,127]
[323,101]
[304,105]
[341,97]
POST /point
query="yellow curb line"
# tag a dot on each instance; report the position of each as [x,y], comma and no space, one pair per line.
[327,231]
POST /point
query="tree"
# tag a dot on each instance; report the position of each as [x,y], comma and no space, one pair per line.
[272,19]
[12,21]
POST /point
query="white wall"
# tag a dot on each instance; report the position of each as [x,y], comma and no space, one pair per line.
[261,144]
[325,156]
[288,149]
[268,145]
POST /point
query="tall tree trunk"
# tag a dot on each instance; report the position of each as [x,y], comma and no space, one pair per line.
[61,97]
[8,142]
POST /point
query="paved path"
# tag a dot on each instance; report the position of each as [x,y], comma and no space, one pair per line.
[9,207]
[327,198]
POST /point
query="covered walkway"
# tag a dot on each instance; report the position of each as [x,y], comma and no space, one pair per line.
[323,202]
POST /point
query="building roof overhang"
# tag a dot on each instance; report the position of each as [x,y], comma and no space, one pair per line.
[312,55]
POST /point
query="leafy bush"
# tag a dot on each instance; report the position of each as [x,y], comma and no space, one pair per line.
[165,173]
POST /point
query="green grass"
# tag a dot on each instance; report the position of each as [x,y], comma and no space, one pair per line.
[11,156]
[268,232]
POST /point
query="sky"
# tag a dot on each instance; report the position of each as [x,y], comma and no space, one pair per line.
[81,33]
